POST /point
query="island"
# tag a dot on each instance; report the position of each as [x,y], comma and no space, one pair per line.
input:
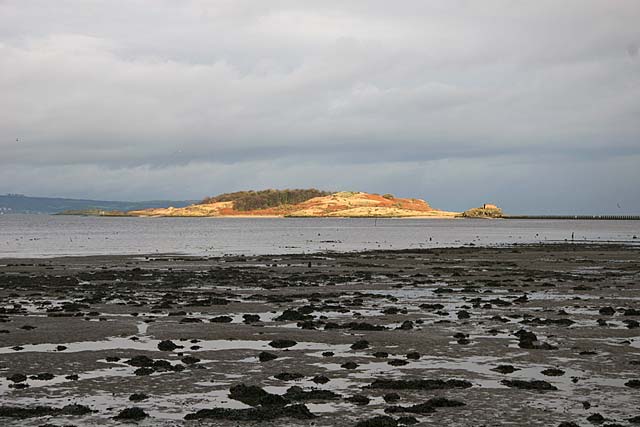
[305,203]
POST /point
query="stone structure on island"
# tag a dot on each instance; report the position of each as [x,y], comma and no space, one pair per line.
[488,210]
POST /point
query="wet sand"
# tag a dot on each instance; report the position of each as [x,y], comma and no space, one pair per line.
[525,335]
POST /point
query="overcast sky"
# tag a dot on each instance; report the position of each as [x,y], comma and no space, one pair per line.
[531,105]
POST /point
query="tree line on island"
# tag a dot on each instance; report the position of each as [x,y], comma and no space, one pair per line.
[264,199]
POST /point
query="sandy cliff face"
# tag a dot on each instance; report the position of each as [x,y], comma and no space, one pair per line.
[357,204]
[343,204]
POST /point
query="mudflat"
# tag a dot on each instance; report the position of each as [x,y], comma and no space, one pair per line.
[533,335]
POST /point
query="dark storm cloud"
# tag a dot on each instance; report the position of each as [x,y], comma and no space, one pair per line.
[453,101]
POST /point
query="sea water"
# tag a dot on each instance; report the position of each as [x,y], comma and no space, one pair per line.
[50,235]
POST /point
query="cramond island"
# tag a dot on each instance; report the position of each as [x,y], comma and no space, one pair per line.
[306,203]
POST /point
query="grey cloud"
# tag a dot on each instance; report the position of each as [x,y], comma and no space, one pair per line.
[157,93]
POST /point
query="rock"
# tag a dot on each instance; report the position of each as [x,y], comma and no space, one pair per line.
[137,397]
[463,314]
[596,418]
[190,360]
[414,355]
[633,383]
[178,313]
[349,365]
[568,424]
[358,399]
[431,306]
[282,343]
[320,379]
[397,362]
[407,325]
[391,397]
[529,340]
[251,318]
[163,366]
[167,345]
[442,402]
[407,420]
[391,310]
[607,311]
[427,407]
[308,324]
[17,378]
[221,319]
[360,345]
[288,376]
[552,372]
[266,356]
[505,369]
[380,354]
[297,393]
[263,413]
[631,324]
[521,300]
[140,361]
[134,414]
[355,326]
[19,386]
[75,410]
[530,385]
[42,411]
[42,377]
[379,421]
[420,408]
[143,371]
[419,384]
[254,396]
[293,316]
[546,322]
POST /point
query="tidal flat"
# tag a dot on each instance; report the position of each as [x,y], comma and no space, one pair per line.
[525,335]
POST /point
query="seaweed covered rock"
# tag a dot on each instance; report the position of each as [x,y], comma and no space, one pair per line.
[419,384]
[42,411]
[426,407]
[133,414]
[282,343]
[265,356]
[298,393]
[254,396]
[530,385]
[379,421]
[167,345]
[262,413]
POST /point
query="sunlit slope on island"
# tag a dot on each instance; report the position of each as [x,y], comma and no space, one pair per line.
[303,203]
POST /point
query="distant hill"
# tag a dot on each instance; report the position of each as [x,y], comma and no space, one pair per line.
[17,203]
[302,203]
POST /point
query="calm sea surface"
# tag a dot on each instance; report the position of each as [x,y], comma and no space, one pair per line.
[47,235]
